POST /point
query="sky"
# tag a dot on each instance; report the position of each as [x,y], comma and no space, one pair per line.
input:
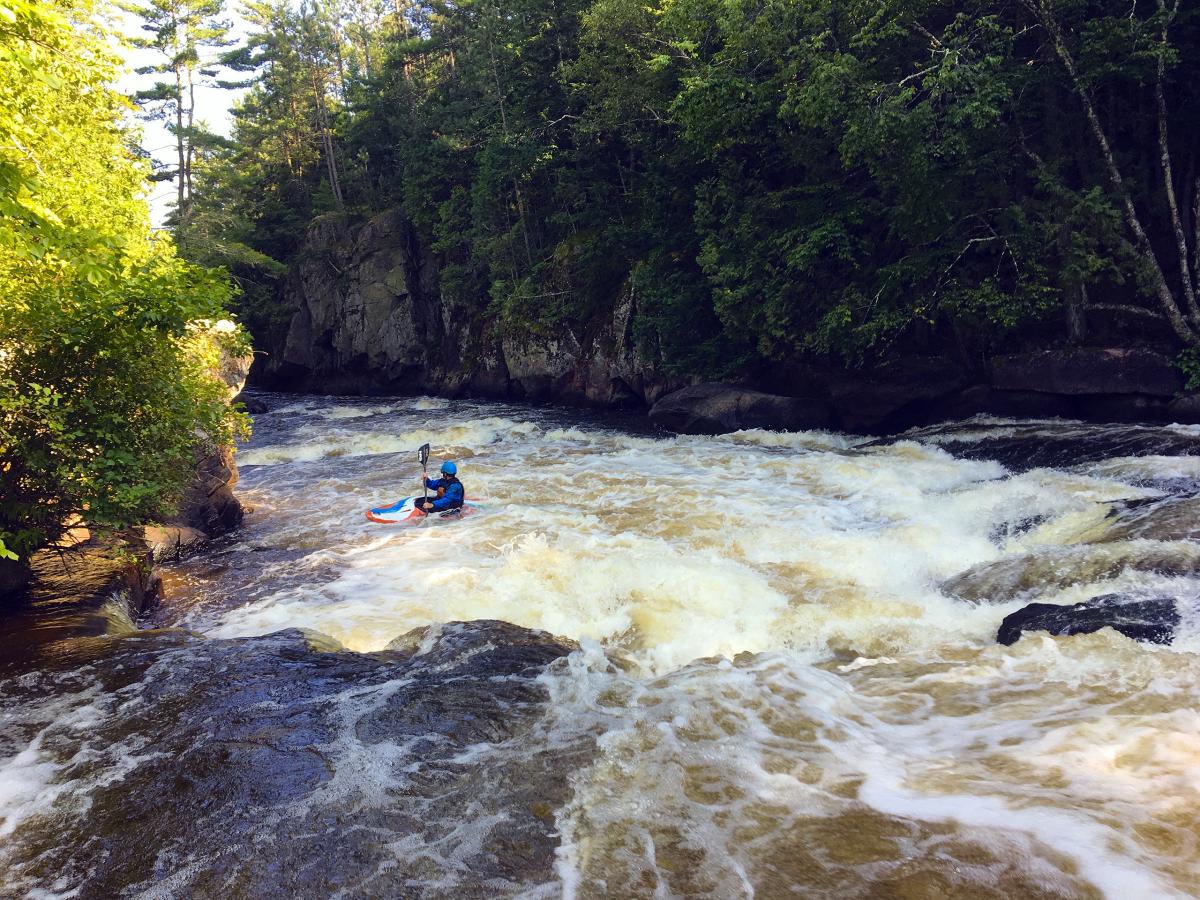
[212,109]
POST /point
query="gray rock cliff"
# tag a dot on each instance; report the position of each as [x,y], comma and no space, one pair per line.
[369,317]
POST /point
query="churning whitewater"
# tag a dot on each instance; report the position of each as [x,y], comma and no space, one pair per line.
[771,670]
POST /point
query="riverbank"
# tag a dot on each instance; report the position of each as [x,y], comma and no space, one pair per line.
[77,587]
[362,313]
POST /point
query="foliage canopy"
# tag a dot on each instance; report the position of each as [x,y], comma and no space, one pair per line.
[773,179]
[103,374]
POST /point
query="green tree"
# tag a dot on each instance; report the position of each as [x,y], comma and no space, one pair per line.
[186,36]
[770,180]
[104,376]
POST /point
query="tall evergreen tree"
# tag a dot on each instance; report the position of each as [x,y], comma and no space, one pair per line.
[187,37]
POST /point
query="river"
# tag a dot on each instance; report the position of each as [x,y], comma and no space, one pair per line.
[775,672]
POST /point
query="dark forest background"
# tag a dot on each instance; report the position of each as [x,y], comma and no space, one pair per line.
[842,180]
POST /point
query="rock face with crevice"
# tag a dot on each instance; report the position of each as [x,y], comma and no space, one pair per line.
[208,504]
[369,318]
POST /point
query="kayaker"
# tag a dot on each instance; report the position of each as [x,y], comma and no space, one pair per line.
[450,491]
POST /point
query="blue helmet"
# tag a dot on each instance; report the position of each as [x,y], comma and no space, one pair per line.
[449,468]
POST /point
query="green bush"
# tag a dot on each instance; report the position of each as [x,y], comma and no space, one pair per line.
[105,376]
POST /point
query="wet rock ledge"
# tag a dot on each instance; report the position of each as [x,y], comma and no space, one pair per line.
[1106,384]
[289,767]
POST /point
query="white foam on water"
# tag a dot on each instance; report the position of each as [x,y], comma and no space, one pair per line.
[354,412]
[338,442]
[798,681]
[29,778]
[1055,794]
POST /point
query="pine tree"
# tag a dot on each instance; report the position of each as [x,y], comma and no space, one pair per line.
[187,36]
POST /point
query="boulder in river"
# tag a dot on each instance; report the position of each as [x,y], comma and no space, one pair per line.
[1151,620]
[1022,446]
[1185,409]
[1088,370]
[250,403]
[713,408]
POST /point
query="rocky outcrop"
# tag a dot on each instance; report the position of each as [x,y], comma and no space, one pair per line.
[720,408]
[250,404]
[364,304]
[1081,371]
[208,505]
[1149,620]
[894,396]
[172,541]
[368,316]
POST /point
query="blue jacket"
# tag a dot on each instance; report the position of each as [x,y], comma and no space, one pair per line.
[454,493]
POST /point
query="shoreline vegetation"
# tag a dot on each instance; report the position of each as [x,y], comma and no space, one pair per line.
[107,354]
[762,185]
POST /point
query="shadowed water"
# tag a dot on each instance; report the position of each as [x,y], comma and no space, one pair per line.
[786,682]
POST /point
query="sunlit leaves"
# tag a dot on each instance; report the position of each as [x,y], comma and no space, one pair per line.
[102,382]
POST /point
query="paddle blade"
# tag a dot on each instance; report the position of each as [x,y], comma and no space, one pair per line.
[423,454]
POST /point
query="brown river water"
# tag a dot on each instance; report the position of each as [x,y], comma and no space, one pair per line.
[774,672]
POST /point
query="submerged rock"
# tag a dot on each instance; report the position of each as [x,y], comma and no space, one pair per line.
[1153,621]
[1157,519]
[1023,446]
[281,766]
[1032,574]
[720,408]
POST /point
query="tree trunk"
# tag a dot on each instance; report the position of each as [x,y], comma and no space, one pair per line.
[1076,314]
[335,184]
[1196,229]
[185,212]
[1142,245]
[1164,160]
[179,147]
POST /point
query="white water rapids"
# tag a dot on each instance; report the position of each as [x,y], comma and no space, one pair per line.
[800,708]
